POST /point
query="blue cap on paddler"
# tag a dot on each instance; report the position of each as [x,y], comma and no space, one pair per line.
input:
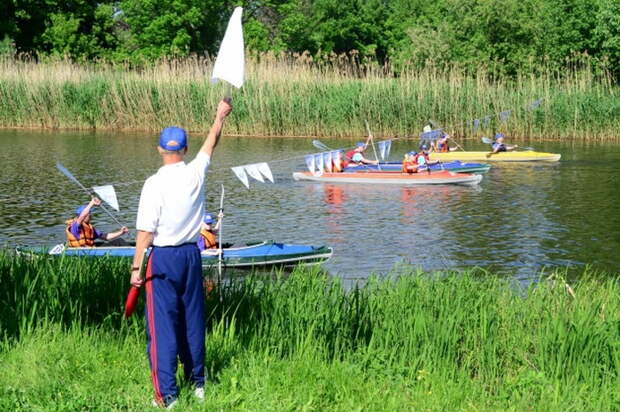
[360,144]
[498,135]
[80,209]
[208,219]
[173,138]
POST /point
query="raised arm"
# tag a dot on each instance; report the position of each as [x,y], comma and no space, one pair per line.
[223,110]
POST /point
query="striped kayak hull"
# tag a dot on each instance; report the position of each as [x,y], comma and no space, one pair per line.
[525,156]
[434,178]
[259,255]
[455,166]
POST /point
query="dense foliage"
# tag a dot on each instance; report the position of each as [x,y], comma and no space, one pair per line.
[507,37]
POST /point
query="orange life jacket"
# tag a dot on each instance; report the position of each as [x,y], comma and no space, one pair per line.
[410,166]
[443,147]
[87,235]
[209,238]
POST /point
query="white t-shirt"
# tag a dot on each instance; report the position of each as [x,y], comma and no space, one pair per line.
[172,202]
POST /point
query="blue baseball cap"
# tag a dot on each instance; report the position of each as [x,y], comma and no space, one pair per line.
[208,219]
[80,209]
[360,144]
[173,138]
[498,135]
[412,153]
[424,146]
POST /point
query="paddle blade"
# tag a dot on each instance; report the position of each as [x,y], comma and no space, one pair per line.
[132,301]
[486,140]
[230,63]
[67,173]
[319,145]
[108,195]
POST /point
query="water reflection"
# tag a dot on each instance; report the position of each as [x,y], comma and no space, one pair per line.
[522,217]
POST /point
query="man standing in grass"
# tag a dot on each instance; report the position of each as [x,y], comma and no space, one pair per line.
[169,216]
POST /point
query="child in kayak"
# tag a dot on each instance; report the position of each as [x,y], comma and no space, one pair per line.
[81,233]
[356,156]
[500,146]
[208,233]
[442,145]
[417,162]
[409,163]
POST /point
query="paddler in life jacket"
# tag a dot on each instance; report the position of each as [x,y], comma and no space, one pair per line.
[409,163]
[442,145]
[81,233]
[419,161]
[500,146]
[208,233]
[356,156]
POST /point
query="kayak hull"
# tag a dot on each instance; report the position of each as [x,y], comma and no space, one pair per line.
[259,255]
[525,156]
[455,166]
[434,178]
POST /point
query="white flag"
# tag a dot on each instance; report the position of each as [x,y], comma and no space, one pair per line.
[310,163]
[264,169]
[108,195]
[240,173]
[337,157]
[382,147]
[230,62]
[319,162]
[252,170]
[327,160]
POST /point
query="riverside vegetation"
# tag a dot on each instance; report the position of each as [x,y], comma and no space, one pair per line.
[451,341]
[293,95]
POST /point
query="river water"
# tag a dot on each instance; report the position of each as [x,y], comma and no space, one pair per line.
[521,220]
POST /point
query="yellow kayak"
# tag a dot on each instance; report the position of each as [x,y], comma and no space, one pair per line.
[525,156]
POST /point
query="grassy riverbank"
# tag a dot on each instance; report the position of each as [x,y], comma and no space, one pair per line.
[451,341]
[296,97]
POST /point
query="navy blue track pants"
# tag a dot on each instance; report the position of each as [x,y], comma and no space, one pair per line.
[175,317]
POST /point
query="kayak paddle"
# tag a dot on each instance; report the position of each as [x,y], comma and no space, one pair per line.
[319,145]
[67,173]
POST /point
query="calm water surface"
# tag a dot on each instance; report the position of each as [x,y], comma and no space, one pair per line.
[523,218]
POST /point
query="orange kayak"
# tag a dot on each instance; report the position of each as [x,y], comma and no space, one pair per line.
[434,178]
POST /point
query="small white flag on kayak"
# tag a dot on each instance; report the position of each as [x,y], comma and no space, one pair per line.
[384,148]
[264,169]
[310,163]
[337,159]
[239,171]
[327,160]
[108,195]
[319,162]
[252,171]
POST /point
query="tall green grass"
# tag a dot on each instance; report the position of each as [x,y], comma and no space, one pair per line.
[295,96]
[464,340]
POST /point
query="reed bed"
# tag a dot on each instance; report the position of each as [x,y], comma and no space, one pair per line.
[293,95]
[466,340]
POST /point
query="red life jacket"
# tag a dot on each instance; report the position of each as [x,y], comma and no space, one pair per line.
[87,234]
[209,238]
[348,158]
[417,156]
